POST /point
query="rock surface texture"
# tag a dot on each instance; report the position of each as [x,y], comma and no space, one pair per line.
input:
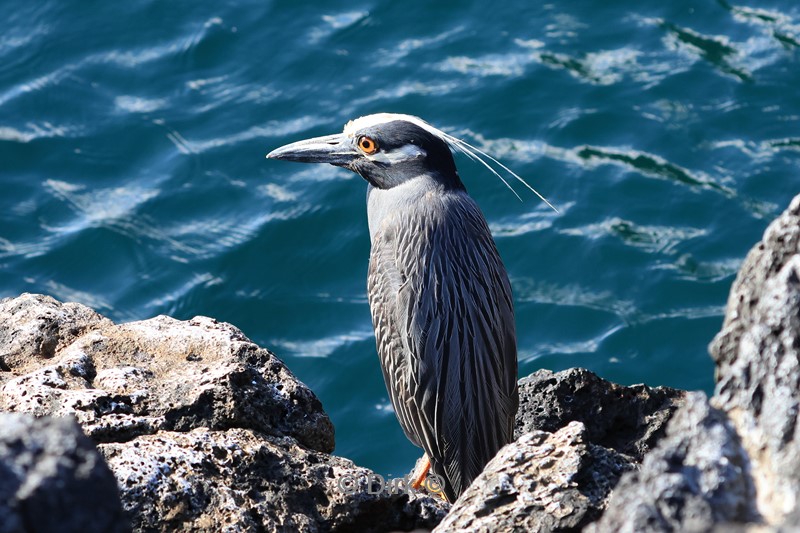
[696,479]
[143,377]
[204,430]
[576,435]
[542,482]
[53,479]
[758,364]
[628,420]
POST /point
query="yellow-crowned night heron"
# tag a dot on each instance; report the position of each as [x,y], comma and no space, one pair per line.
[438,292]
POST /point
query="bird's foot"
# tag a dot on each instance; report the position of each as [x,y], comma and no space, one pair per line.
[419,476]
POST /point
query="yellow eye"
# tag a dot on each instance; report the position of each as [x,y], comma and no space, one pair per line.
[367,145]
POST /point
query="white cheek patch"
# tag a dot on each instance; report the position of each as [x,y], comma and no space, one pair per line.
[398,155]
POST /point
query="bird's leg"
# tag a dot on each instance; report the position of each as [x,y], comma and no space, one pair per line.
[420,472]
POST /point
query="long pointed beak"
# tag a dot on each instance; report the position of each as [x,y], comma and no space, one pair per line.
[334,149]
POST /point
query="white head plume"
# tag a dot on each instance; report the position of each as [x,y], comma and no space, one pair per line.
[454,143]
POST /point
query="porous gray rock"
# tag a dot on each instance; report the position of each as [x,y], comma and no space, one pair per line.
[696,479]
[629,420]
[53,479]
[125,380]
[758,365]
[576,435]
[780,243]
[541,482]
[41,325]
[240,480]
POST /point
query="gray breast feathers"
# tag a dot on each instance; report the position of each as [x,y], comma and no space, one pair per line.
[444,324]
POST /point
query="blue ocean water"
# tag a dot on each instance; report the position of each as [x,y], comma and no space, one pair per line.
[133,136]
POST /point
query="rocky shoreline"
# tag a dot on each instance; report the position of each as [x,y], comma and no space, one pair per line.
[188,425]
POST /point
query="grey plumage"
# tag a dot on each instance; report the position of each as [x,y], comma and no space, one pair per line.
[444,324]
[439,294]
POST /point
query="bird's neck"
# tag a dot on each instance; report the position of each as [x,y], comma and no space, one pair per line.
[387,205]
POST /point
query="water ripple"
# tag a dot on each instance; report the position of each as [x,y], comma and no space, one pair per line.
[204,238]
[36,84]
[393,55]
[129,59]
[643,163]
[760,152]
[27,249]
[139,57]
[137,104]
[325,346]
[335,23]
[715,49]
[654,239]
[148,54]
[589,346]
[688,267]
[527,290]
[69,294]
[564,27]
[649,165]
[398,91]
[506,65]
[167,300]
[532,222]
[34,131]
[100,206]
[775,24]
[118,209]
[689,313]
[15,38]
[605,67]
[273,129]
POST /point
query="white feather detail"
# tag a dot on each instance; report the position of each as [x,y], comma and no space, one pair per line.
[404,153]
[476,154]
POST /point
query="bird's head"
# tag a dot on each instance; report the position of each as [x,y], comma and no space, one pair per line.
[386,149]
